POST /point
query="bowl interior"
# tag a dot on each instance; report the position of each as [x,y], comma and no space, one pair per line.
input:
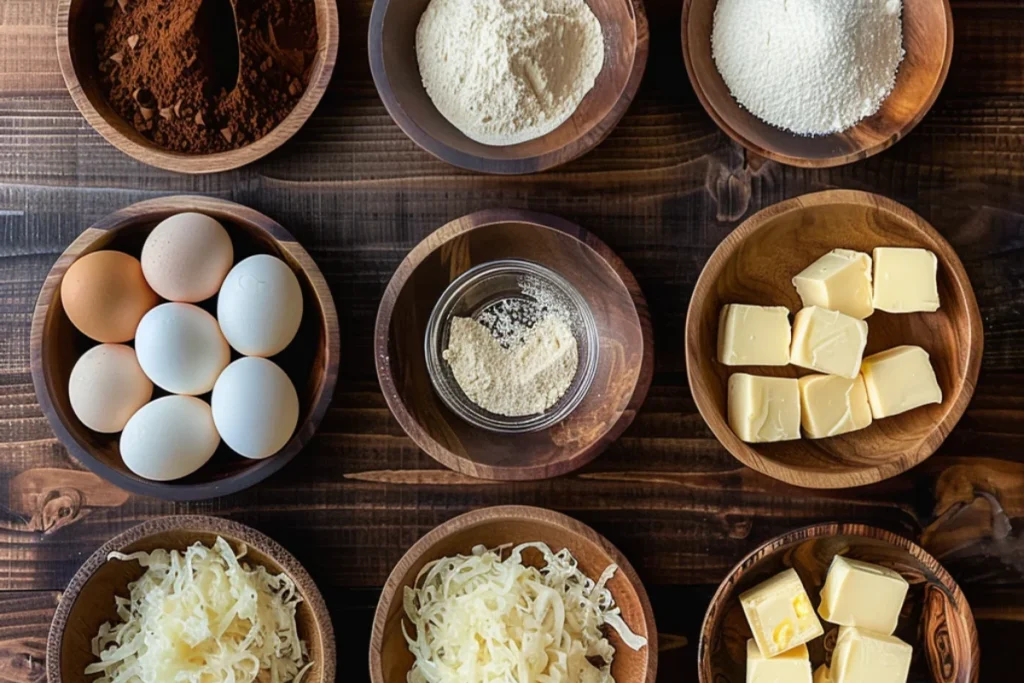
[935,620]
[431,129]
[304,360]
[629,666]
[927,40]
[756,264]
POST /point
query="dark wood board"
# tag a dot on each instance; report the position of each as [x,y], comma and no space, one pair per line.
[662,191]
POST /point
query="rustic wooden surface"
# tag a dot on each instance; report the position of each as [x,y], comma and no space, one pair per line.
[662,191]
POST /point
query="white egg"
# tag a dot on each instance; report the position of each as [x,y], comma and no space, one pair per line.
[181,349]
[255,407]
[107,386]
[169,438]
[260,306]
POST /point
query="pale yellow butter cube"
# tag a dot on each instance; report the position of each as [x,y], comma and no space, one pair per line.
[780,614]
[792,666]
[832,405]
[828,341]
[840,281]
[863,656]
[753,335]
[906,280]
[862,594]
[899,380]
[763,409]
[822,675]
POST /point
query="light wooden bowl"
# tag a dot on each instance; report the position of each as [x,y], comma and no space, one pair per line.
[755,264]
[927,40]
[936,619]
[76,52]
[390,659]
[625,356]
[88,601]
[311,360]
[396,73]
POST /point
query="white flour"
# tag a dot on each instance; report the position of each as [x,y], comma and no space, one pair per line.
[813,67]
[507,71]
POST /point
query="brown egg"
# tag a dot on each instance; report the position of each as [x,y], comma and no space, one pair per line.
[105,295]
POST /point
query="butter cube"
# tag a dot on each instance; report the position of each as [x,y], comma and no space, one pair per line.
[780,614]
[899,380]
[828,341]
[831,405]
[840,281]
[763,409]
[906,280]
[821,674]
[792,666]
[753,335]
[863,656]
[862,594]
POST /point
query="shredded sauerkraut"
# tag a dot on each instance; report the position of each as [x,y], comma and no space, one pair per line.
[481,619]
[201,617]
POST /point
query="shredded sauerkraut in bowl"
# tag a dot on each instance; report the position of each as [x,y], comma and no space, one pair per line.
[202,617]
[481,619]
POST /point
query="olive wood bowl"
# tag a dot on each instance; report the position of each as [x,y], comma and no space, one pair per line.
[88,601]
[927,40]
[755,264]
[76,52]
[936,619]
[390,659]
[625,357]
[396,73]
[311,360]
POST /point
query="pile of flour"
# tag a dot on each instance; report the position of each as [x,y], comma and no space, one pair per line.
[507,71]
[812,67]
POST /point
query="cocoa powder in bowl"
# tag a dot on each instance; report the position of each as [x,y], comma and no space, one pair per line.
[205,76]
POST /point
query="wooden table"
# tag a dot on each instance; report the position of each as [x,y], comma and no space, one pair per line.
[662,191]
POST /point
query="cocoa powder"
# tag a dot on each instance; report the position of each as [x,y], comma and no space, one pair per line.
[168,67]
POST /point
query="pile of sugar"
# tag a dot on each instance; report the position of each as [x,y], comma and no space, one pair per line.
[813,67]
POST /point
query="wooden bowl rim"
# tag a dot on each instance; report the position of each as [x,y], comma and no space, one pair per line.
[153,155]
[829,529]
[957,403]
[823,162]
[435,241]
[256,471]
[197,524]
[508,513]
[570,151]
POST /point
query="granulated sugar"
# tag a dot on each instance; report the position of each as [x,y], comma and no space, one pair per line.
[812,67]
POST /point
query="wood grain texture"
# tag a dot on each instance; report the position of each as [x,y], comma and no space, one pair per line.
[927,41]
[756,264]
[625,359]
[396,73]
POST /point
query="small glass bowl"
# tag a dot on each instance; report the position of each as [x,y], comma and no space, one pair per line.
[478,291]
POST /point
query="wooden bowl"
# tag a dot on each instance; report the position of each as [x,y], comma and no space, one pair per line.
[755,264]
[396,73]
[76,52]
[390,659]
[625,355]
[311,360]
[936,619]
[927,40]
[88,601]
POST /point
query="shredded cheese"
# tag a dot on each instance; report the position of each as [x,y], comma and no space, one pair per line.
[201,617]
[481,619]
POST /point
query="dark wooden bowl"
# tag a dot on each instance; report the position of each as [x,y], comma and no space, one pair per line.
[311,360]
[755,264]
[390,659]
[936,619]
[76,52]
[626,349]
[396,73]
[927,40]
[88,601]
